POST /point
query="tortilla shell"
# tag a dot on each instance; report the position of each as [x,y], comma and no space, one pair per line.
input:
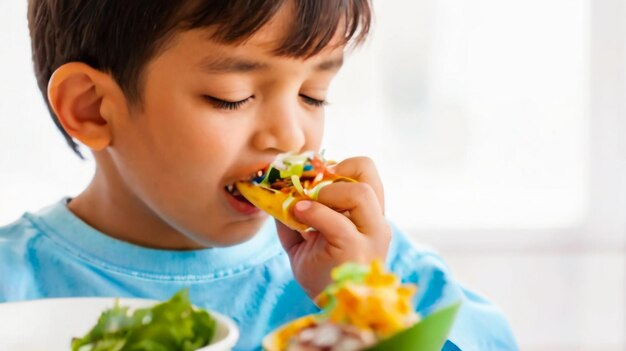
[271,201]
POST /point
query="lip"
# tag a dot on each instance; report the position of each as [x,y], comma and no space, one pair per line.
[247,173]
[240,207]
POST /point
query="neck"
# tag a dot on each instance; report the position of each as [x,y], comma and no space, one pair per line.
[111,207]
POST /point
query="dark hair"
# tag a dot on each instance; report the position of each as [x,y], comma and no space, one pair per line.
[121,36]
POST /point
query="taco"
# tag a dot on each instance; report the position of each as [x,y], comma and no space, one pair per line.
[365,309]
[288,179]
[363,306]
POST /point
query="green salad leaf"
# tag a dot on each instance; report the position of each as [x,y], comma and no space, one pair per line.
[173,325]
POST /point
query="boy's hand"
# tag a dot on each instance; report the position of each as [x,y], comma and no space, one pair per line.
[350,223]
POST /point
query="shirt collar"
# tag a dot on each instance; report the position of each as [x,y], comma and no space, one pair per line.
[84,241]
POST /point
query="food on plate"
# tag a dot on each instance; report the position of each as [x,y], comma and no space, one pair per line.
[363,306]
[288,179]
[174,325]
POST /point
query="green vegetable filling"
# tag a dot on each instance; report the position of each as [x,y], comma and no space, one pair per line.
[282,171]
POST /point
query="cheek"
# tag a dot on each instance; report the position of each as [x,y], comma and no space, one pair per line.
[163,148]
[175,168]
[314,132]
[176,132]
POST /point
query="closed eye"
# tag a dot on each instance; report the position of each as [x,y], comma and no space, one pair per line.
[313,102]
[225,104]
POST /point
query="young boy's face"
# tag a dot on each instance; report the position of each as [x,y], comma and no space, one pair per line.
[212,114]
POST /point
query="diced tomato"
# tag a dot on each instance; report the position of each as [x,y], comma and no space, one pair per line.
[309,174]
[317,164]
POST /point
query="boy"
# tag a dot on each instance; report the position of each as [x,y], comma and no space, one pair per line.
[177,100]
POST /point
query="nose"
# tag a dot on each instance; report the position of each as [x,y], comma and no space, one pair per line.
[280,127]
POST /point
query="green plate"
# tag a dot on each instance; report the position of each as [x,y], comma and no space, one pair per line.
[429,334]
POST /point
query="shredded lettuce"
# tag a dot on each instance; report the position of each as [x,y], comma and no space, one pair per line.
[287,203]
[314,193]
[296,184]
[286,166]
[288,170]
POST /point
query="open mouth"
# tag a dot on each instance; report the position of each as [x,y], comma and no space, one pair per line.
[234,192]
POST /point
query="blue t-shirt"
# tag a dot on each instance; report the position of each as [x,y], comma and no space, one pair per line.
[53,253]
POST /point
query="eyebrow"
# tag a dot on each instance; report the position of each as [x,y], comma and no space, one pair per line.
[227,64]
[330,65]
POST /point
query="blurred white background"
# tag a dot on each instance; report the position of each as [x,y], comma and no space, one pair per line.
[497,126]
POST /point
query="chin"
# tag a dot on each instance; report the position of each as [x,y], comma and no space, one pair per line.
[231,240]
[231,235]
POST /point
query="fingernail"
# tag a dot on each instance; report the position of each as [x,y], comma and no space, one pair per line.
[303,205]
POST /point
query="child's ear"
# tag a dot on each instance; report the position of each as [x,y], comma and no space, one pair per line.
[86,101]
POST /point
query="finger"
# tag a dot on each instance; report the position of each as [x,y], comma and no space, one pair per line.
[288,237]
[330,224]
[363,170]
[359,200]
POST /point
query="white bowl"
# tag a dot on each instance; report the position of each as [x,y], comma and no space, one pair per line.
[50,324]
